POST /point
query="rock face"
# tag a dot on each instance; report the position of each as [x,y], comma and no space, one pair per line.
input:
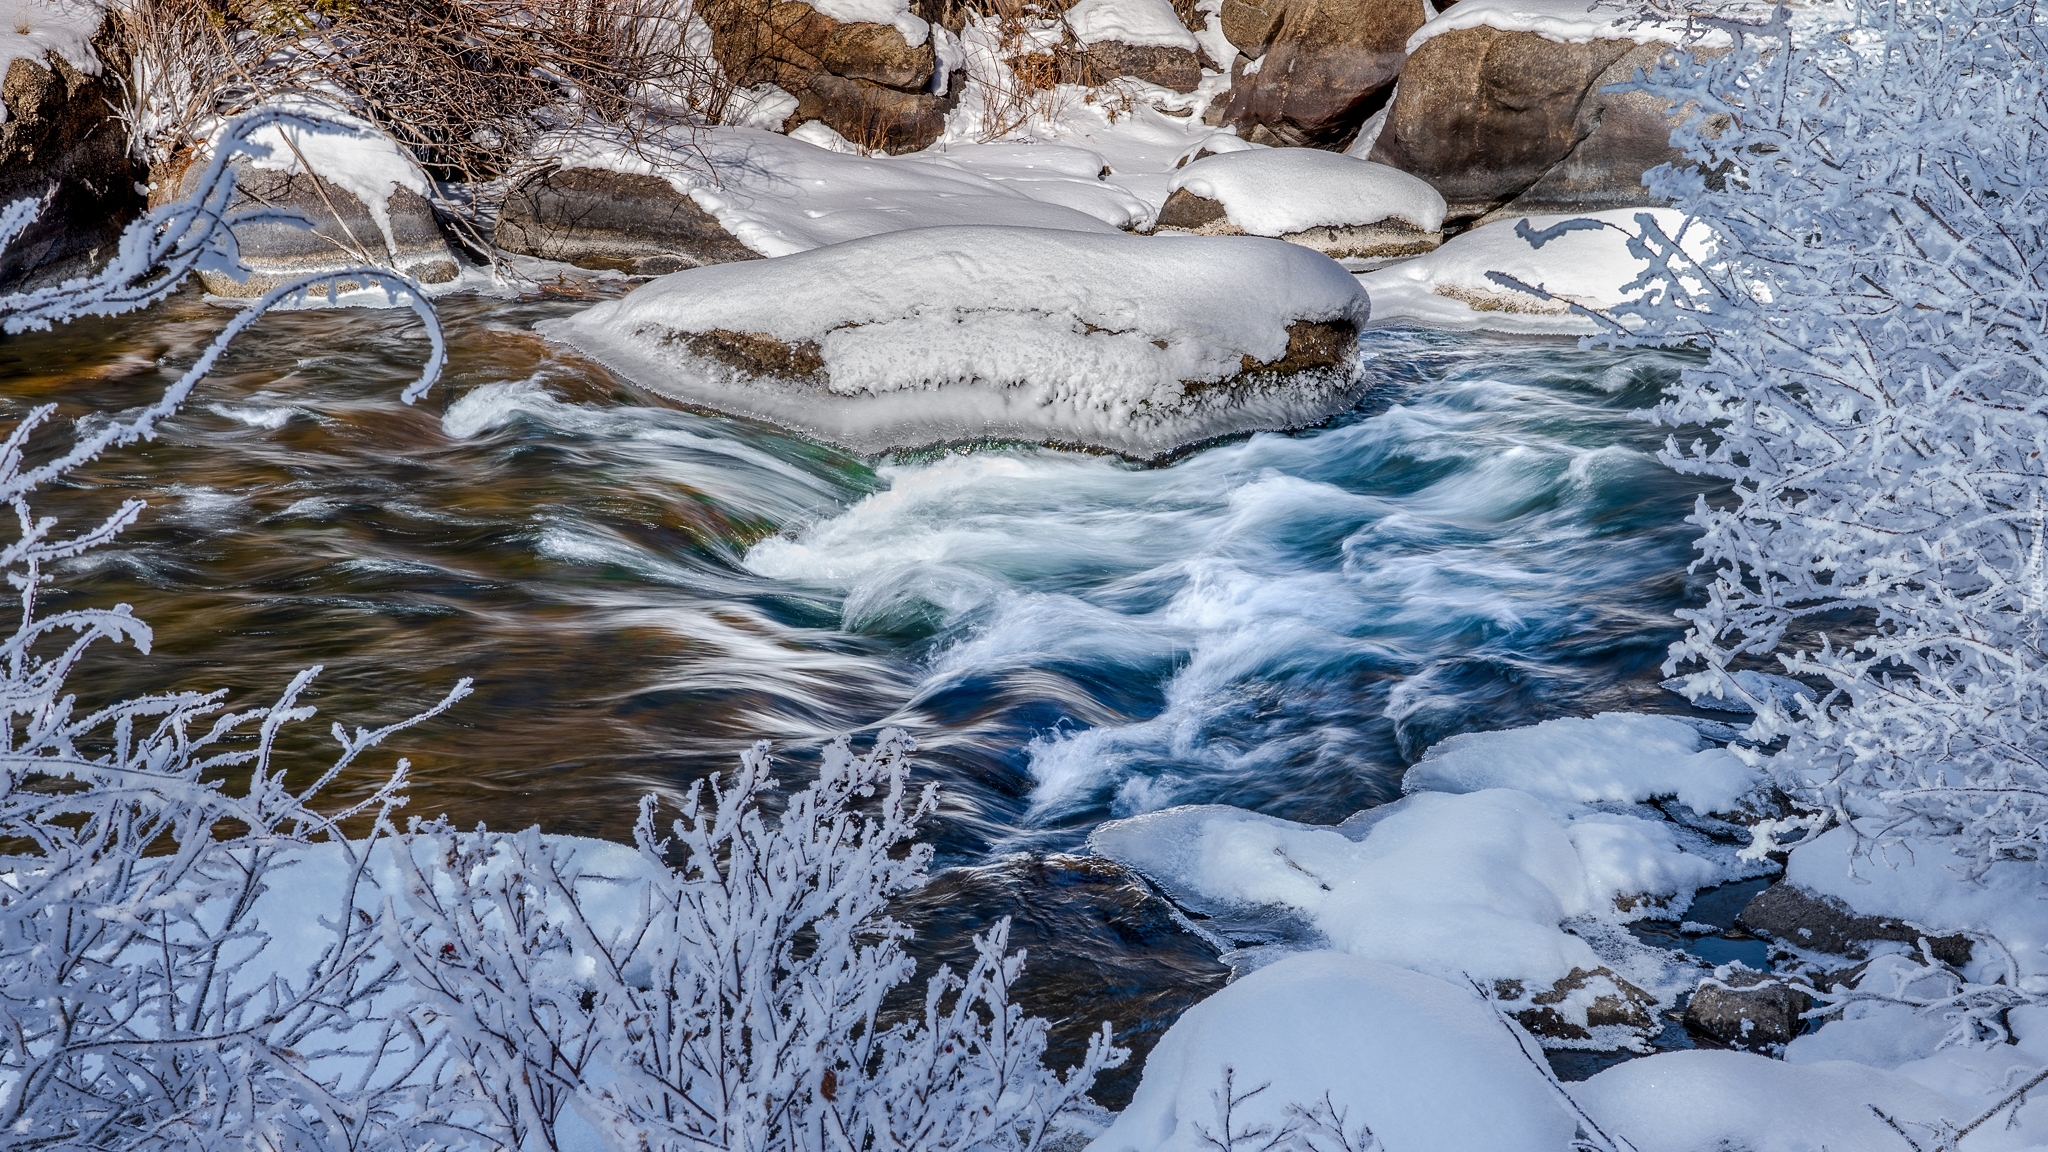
[1325,65]
[1820,923]
[344,233]
[61,144]
[1495,118]
[866,82]
[599,219]
[1746,1009]
[1106,60]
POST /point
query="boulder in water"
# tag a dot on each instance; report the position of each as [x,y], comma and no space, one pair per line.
[943,335]
[624,221]
[1339,205]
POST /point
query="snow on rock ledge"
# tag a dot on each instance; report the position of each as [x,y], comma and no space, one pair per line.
[1615,756]
[1336,204]
[1420,1061]
[941,335]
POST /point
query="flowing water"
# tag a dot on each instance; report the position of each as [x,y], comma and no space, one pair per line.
[1282,622]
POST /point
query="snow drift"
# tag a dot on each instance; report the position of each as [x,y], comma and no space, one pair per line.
[941,335]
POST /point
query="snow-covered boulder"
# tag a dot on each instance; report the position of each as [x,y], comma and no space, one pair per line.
[653,206]
[939,335]
[1493,885]
[1336,204]
[1419,1062]
[61,141]
[358,199]
[1624,757]
[1504,102]
[1141,39]
[1451,287]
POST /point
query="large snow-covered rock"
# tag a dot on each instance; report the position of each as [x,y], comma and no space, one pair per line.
[1493,885]
[358,197]
[653,206]
[1131,344]
[1421,1062]
[1615,756]
[1450,287]
[1336,204]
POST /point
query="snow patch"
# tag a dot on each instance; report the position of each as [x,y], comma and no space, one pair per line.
[1140,22]
[1580,22]
[1421,1062]
[892,12]
[1615,756]
[34,29]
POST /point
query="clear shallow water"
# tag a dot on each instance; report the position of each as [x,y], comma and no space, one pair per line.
[1281,623]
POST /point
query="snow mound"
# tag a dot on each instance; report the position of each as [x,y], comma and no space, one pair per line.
[34,29]
[779,195]
[1275,191]
[1704,1101]
[1449,288]
[1139,22]
[942,335]
[1580,22]
[1421,1062]
[1479,884]
[1615,756]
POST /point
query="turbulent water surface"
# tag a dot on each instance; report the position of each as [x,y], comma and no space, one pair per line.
[1282,622]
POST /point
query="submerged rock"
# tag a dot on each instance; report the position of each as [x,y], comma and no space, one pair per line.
[945,335]
[627,222]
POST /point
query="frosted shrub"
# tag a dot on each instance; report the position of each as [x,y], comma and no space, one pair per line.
[1876,384]
[141,1003]
[722,988]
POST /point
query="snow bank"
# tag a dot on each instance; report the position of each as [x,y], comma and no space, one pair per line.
[779,195]
[33,29]
[1448,288]
[1274,191]
[947,334]
[1615,756]
[1922,882]
[1141,22]
[1704,1101]
[1479,884]
[1580,22]
[1421,1062]
[893,12]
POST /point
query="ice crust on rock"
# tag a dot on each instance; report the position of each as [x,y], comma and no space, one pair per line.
[1138,22]
[779,195]
[1449,288]
[1615,756]
[939,335]
[1421,1061]
[1275,191]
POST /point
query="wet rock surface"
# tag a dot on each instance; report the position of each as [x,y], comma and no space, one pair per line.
[613,220]
[62,144]
[1813,922]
